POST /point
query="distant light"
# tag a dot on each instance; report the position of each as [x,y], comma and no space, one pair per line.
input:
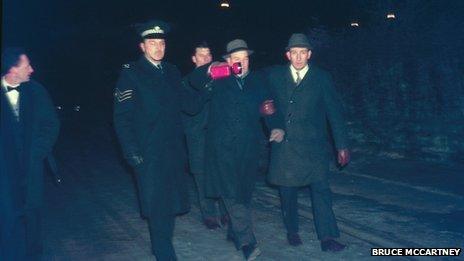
[59,107]
[391,16]
[77,108]
[354,24]
[225,4]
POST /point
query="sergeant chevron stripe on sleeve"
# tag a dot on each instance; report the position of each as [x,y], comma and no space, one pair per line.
[122,96]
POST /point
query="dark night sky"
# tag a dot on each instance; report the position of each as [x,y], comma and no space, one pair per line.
[71,25]
[84,39]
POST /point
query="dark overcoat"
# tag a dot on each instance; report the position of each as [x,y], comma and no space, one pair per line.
[37,132]
[309,109]
[27,141]
[147,118]
[12,194]
[235,136]
[196,124]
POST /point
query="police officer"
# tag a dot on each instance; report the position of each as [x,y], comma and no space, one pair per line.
[147,117]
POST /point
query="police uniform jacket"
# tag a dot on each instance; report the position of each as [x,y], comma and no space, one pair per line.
[147,119]
[308,109]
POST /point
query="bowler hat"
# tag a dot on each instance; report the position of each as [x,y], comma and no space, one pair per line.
[298,40]
[235,46]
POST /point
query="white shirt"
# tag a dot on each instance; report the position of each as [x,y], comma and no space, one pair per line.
[12,96]
[302,72]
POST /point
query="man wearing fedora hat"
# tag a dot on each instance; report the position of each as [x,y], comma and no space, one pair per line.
[233,144]
[306,97]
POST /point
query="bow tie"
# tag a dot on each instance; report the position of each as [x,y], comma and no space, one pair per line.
[9,88]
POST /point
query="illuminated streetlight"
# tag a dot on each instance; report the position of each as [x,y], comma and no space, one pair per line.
[225,4]
[391,16]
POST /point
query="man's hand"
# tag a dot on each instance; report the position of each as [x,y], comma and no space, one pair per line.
[267,108]
[135,160]
[277,135]
[343,157]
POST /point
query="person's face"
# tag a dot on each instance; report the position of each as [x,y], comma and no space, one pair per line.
[153,49]
[202,56]
[22,72]
[298,57]
[240,57]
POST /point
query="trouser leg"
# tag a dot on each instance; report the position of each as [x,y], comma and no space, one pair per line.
[241,225]
[324,218]
[207,205]
[33,225]
[142,200]
[13,238]
[289,205]
[222,208]
[161,227]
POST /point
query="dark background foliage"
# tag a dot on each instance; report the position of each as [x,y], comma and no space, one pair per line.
[402,80]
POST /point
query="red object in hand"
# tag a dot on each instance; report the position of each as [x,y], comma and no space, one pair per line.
[224,70]
[343,157]
[267,108]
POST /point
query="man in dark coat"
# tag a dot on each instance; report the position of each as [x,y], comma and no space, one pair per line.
[305,95]
[148,104]
[195,131]
[233,139]
[12,197]
[29,129]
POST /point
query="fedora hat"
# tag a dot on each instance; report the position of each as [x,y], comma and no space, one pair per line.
[235,46]
[298,40]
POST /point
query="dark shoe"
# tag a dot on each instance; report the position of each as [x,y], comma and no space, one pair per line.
[224,220]
[294,239]
[331,245]
[251,252]
[211,223]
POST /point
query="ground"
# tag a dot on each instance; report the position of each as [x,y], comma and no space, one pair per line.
[93,214]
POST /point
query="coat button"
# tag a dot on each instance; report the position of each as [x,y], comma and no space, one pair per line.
[291,102]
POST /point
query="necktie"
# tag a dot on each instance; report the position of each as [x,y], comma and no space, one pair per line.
[159,67]
[298,78]
[240,82]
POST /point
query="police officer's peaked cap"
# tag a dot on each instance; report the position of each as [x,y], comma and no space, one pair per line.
[154,29]
[298,40]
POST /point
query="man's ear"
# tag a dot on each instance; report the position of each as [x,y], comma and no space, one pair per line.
[142,47]
[194,59]
[288,55]
[309,54]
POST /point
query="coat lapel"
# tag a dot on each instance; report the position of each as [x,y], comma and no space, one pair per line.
[26,117]
[307,81]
